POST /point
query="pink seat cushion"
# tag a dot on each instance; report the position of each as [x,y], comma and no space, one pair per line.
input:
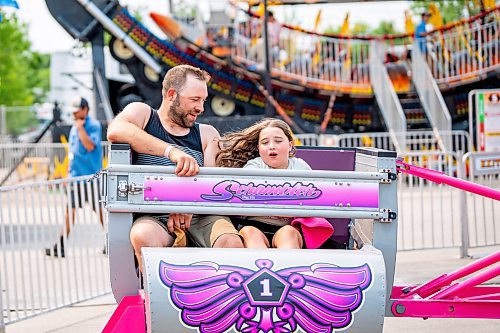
[316,230]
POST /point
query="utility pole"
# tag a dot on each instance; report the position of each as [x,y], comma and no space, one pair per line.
[267,71]
[170,7]
[98,62]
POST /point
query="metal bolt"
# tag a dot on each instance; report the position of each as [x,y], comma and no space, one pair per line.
[400,309]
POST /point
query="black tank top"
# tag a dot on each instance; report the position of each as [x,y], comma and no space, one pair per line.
[190,143]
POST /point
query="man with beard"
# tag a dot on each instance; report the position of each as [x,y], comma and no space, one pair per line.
[171,136]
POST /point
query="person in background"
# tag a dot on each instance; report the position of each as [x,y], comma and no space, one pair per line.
[85,158]
[257,51]
[421,30]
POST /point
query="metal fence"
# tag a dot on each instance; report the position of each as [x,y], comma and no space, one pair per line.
[32,218]
[414,140]
[430,96]
[323,61]
[311,140]
[481,223]
[436,215]
[465,52]
[429,213]
[33,215]
[383,89]
[29,120]
[35,161]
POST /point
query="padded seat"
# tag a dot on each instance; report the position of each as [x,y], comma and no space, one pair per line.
[332,159]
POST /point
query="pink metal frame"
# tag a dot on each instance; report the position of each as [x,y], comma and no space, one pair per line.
[129,316]
[439,177]
[442,298]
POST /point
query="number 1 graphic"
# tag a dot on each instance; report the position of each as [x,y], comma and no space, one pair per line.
[265,288]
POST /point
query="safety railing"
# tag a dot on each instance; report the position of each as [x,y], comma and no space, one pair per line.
[25,123]
[308,139]
[436,215]
[479,222]
[32,218]
[430,96]
[429,214]
[3,123]
[415,140]
[35,161]
[387,100]
[464,53]
[322,61]
[454,55]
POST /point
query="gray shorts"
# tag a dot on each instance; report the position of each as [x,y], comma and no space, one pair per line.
[204,229]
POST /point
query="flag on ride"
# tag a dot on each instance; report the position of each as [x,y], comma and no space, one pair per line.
[436,19]
[409,27]
[344,30]
[260,13]
[489,4]
[260,10]
[8,3]
[317,21]
[317,51]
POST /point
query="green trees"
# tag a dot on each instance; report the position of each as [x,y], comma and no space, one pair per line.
[14,63]
[24,74]
[451,10]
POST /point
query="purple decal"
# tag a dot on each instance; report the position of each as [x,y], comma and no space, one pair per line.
[226,189]
[216,298]
[260,192]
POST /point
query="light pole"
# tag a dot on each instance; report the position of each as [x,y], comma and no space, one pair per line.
[267,71]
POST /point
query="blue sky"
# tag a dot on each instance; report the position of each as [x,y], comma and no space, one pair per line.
[47,36]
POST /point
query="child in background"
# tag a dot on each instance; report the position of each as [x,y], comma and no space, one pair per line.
[267,144]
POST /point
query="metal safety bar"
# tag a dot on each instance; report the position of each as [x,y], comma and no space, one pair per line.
[258,192]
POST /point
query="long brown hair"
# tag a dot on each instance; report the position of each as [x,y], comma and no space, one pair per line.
[237,148]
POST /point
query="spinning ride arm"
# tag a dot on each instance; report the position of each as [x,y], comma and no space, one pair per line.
[440,178]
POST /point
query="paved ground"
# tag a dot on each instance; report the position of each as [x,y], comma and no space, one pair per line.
[412,268]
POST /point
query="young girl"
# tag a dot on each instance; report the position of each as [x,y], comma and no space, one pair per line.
[267,144]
